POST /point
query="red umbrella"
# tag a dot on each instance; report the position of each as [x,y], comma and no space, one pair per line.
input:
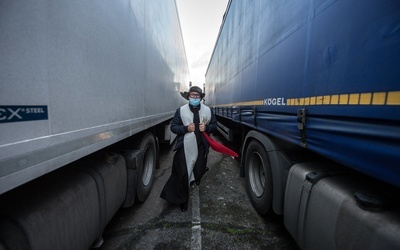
[219,147]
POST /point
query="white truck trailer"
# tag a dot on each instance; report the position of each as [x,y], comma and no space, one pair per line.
[87,89]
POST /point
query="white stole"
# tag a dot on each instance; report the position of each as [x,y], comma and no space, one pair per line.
[189,140]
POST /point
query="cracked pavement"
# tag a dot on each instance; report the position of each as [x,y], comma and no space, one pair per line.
[219,216]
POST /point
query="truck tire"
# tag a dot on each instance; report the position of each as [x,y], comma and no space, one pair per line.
[146,168]
[258,177]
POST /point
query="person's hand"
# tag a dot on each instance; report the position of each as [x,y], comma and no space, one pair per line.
[191,127]
[202,127]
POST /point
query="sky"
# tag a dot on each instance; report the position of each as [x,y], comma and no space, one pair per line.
[200,23]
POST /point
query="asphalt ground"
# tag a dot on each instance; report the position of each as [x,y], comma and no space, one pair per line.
[219,216]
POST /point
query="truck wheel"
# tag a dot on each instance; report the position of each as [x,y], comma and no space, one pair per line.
[258,177]
[147,167]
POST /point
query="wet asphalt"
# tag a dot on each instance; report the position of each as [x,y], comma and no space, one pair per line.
[219,215]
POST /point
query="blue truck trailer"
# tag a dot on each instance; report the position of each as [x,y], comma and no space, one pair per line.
[80,117]
[310,91]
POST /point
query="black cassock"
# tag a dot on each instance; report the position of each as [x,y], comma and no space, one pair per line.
[176,190]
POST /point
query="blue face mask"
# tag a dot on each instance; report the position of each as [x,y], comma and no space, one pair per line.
[194,102]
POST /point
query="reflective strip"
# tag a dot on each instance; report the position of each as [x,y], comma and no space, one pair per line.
[371,98]
[375,98]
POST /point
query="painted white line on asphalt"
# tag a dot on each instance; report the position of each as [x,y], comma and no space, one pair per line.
[196,220]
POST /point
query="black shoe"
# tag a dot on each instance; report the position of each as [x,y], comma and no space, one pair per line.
[197,183]
[207,169]
[184,207]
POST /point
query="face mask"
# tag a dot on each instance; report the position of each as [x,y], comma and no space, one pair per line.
[194,102]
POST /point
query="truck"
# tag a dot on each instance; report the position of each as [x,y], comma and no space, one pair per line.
[309,93]
[87,92]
